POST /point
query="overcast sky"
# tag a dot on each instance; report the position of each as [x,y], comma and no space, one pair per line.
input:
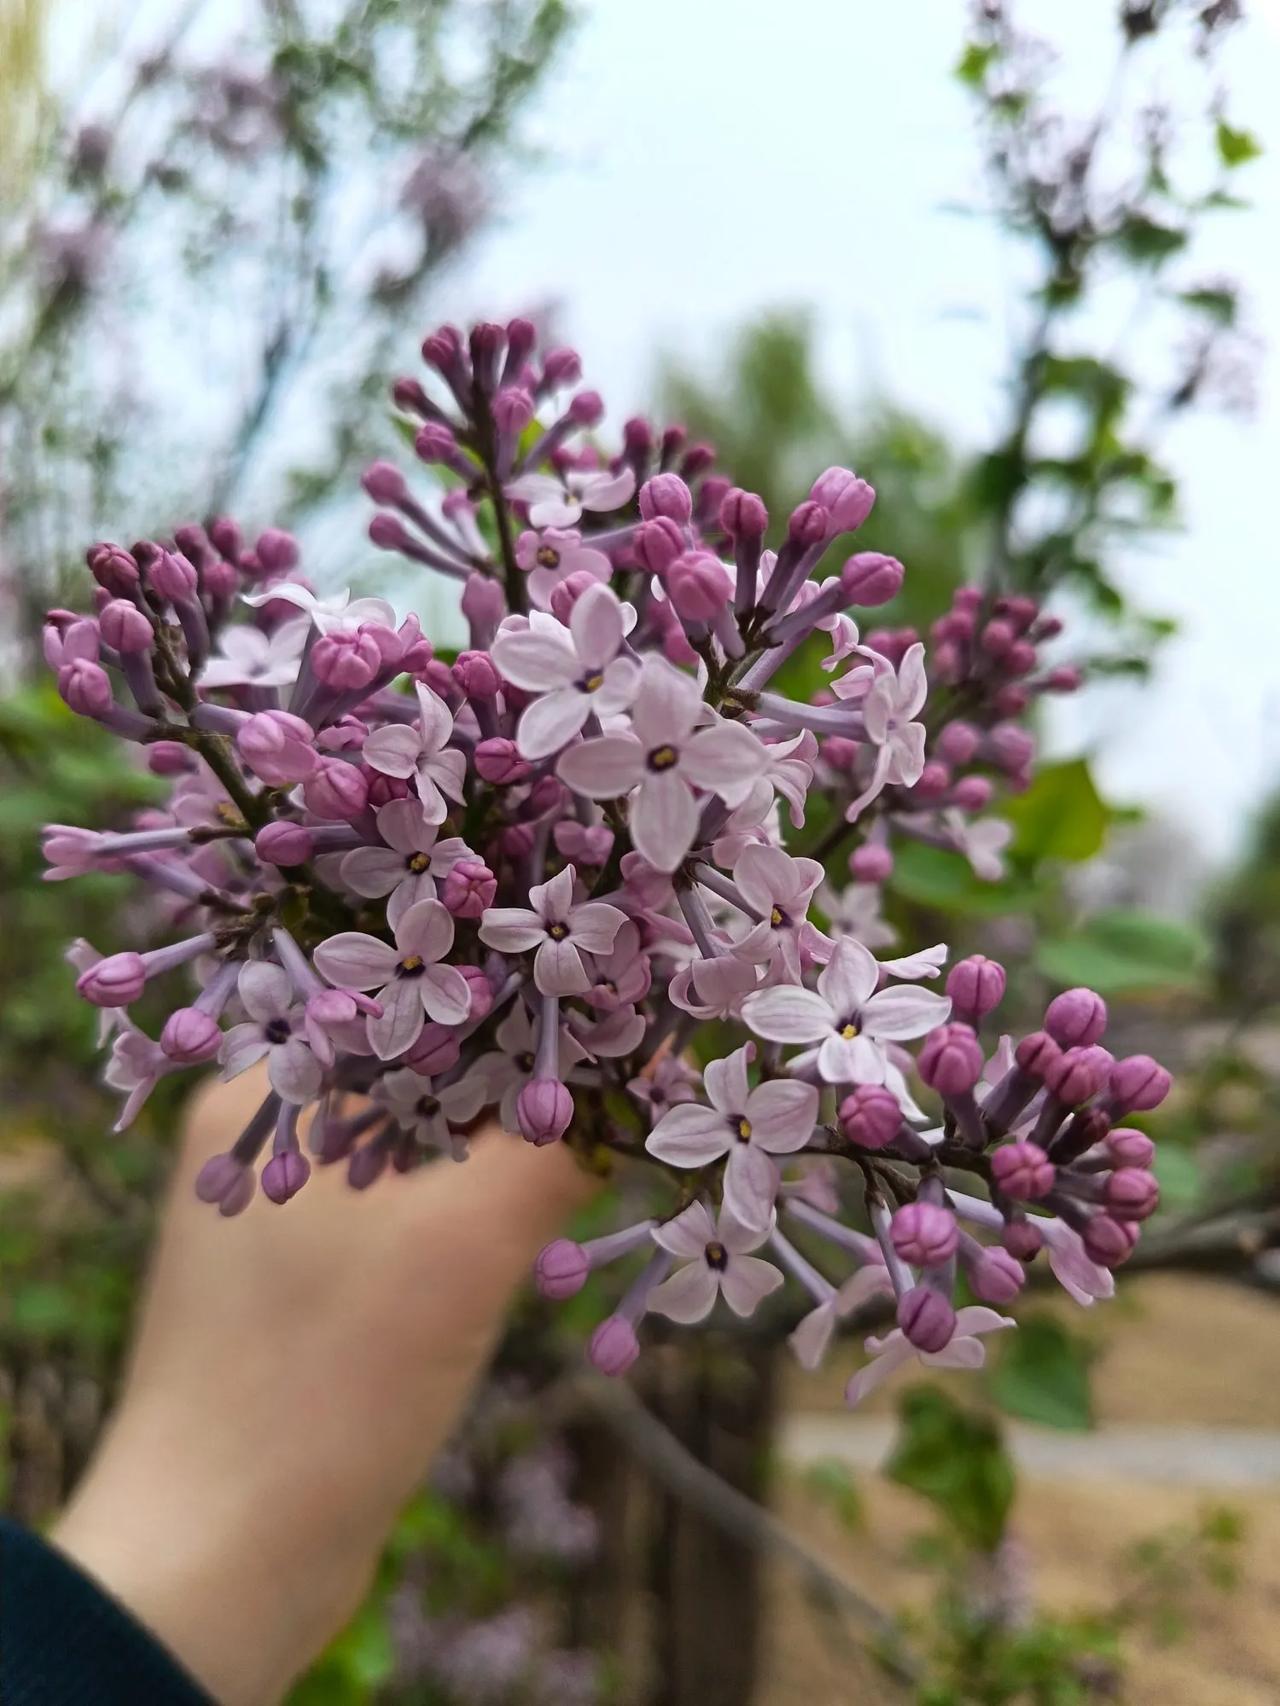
[711,160]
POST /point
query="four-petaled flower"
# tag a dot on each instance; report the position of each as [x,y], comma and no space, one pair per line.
[749,1126]
[779,888]
[274,1029]
[966,1350]
[401,750]
[553,503]
[890,706]
[846,1017]
[412,985]
[504,1072]
[552,557]
[250,658]
[429,1112]
[339,613]
[575,670]
[411,863]
[665,756]
[717,1263]
[560,930]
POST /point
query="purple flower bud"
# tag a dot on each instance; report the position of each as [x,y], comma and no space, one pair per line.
[367,1164]
[809,524]
[171,576]
[566,593]
[697,586]
[871,864]
[499,762]
[225,536]
[336,791]
[125,627]
[958,742]
[522,336]
[346,661]
[1132,1193]
[513,410]
[869,578]
[86,687]
[925,1234]
[951,1060]
[441,348]
[976,986]
[276,551]
[1129,1148]
[469,888]
[1011,748]
[113,568]
[841,755]
[483,603]
[1064,679]
[1076,1018]
[476,676]
[1108,1241]
[657,544]
[544,1110]
[481,993]
[972,793]
[169,758]
[1023,1171]
[996,638]
[1074,1076]
[743,515]
[870,1116]
[613,1347]
[1138,1084]
[561,367]
[561,1269]
[285,1175]
[996,1276]
[227,1182]
[1036,1053]
[666,495]
[220,581]
[389,533]
[1022,1239]
[435,442]
[284,844]
[926,1318]
[697,459]
[847,498]
[115,981]
[384,483]
[547,795]
[437,1048]
[934,781]
[190,1036]
[278,747]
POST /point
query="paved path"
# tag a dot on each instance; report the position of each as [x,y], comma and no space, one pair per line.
[1173,1456]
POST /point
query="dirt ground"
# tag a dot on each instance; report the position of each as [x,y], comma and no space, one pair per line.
[1176,1353]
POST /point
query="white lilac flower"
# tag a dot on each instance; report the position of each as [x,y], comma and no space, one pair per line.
[890,1353]
[717,1263]
[409,866]
[665,756]
[504,1071]
[846,1018]
[429,1112]
[575,670]
[274,1031]
[250,658]
[403,750]
[555,503]
[890,705]
[338,613]
[749,1126]
[560,930]
[412,985]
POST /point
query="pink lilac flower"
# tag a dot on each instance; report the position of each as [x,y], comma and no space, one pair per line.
[423,753]
[274,1031]
[665,756]
[749,1126]
[553,556]
[845,1016]
[506,1070]
[339,613]
[412,985]
[622,976]
[890,705]
[553,503]
[895,1350]
[717,988]
[982,841]
[664,1086]
[811,1338]
[429,1112]
[135,1066]
[409,866]
[717,1263]
[855,911]
[575,670]
[250,658]
[779,888]
[560,930]
[617,1034]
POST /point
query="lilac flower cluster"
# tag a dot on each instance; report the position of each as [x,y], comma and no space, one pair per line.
[528,877]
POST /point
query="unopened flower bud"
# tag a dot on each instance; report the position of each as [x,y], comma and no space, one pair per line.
[125,627]
[958,742]
[613,1347]
[657,544]
[284,843]
[384,483]
[1036,1053]
[809,524]
[697,586]
[285,1175]
[190,1036]
[278,747]
[1074,1076]
[1108,1241]
[1129,1148]
[561,1269]
[169,758]
[512,410]
[924,1234]
[476,676]
[972,793]
[171,576]
[1023,1171]
[346,661]
[484,605]
[870,1116]
[926,1318]
[544,1110]
[846,498]
[996,1276]
[1022,1239]
[86,687]
[666,495]
[869,578]
[743,515]
[976,986]
[469,888]
[336,792]
[1010,748]
[1132,1193]
[114,568]
[114,981]
[871,864]
[498,761]
[1076,1018]
[951,1060]
[366,1166]
[561,367]
[226,1182]
[277,551]
[1138,1084]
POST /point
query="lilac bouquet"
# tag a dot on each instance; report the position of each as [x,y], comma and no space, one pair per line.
[547,876]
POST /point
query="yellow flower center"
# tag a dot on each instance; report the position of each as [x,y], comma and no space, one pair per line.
[418,863]
[743,1128]
[663,757]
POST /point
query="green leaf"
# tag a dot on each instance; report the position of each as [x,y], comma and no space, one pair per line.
[1179,1174]
[1221,306]
[1148,242]
[1127,953]
[930,876]
[1236,147]
[830,1481]
[974,62]
[1043,1375]
[954,1458]
[1060,816]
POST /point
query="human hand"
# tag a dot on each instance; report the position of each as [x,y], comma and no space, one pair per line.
[295,1370]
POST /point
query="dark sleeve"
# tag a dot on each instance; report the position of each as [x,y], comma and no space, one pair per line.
[65,1642]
